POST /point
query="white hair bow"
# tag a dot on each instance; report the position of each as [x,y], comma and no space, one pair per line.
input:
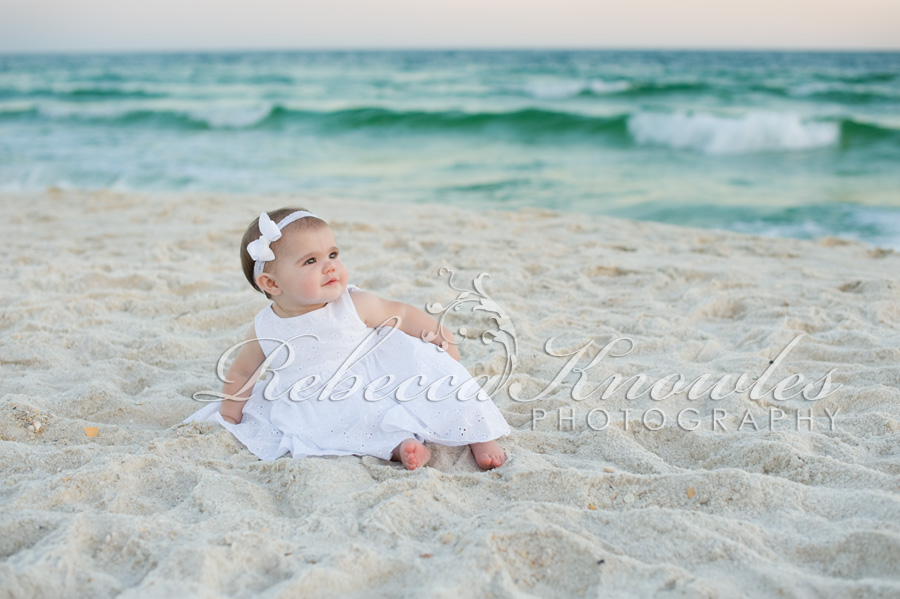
[259,250]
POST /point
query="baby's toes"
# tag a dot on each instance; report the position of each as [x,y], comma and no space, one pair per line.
[412,461]
[485,461]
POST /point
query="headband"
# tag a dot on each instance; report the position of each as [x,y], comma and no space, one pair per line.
[259,249]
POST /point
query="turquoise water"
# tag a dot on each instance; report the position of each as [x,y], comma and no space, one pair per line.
[788,144]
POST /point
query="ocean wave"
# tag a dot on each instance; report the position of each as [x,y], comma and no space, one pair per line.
[858,133]
[836,92]
[873,77]
[563,89]
[749,133]
[490,186]
[524,121]
[876,225]
[80,93]
[707,133]
[14,109]
[232,118]
[111,115]
[119,116]
[661,88]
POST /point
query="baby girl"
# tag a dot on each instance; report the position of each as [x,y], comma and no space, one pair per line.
[321,333]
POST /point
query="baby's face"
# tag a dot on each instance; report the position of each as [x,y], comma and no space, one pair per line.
[307,268]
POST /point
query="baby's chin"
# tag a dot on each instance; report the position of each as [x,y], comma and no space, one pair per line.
[338,287]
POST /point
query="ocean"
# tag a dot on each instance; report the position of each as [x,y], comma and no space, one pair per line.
[772,143]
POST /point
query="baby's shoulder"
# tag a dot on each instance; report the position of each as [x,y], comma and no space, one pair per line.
[365,302]
[360,298]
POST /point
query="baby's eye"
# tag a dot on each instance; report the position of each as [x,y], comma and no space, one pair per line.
[333,255]
[310,261]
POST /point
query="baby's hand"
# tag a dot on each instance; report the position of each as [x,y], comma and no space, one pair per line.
[452,350]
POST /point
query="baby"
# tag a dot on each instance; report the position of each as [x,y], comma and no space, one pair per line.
[349,345]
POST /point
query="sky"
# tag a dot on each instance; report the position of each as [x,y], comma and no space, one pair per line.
[128,25]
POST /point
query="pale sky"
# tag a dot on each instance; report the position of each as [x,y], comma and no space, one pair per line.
[110,25]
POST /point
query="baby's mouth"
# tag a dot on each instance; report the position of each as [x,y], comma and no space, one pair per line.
[330,281]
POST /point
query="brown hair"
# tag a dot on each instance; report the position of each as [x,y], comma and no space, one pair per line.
[252,233]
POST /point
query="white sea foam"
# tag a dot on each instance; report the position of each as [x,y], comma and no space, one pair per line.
[598,86]
[229,116]
[16,107]
[555,90]
[749,133]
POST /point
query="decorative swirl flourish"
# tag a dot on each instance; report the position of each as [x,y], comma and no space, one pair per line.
[506,333]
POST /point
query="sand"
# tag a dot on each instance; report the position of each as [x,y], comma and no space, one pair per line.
[115,308]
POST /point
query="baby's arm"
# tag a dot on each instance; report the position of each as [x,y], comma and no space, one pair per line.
[374,311]
[242,375]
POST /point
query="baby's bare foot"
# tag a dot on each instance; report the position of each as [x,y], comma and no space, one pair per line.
[412,454]
[488,454]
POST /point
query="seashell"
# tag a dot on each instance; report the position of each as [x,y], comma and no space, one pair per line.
[36,425]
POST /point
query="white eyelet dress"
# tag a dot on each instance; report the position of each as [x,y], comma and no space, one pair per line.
[375,388]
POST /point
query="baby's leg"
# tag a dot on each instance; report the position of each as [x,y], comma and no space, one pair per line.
[412,454]
[488,454]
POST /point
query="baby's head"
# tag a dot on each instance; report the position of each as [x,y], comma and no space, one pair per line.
[296,227]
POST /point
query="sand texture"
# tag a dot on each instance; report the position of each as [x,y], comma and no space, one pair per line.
[115,308]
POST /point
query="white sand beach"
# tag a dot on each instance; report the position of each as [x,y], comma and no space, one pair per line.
[115,308]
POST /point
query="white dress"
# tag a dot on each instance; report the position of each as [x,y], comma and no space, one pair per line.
[354,407]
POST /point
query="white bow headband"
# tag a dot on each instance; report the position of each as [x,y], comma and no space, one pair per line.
[259,249]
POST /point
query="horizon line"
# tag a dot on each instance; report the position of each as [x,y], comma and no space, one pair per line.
[211,50]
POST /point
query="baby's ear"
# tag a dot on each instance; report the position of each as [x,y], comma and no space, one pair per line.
[267,283]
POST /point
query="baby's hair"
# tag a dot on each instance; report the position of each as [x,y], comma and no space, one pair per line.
[252,233]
